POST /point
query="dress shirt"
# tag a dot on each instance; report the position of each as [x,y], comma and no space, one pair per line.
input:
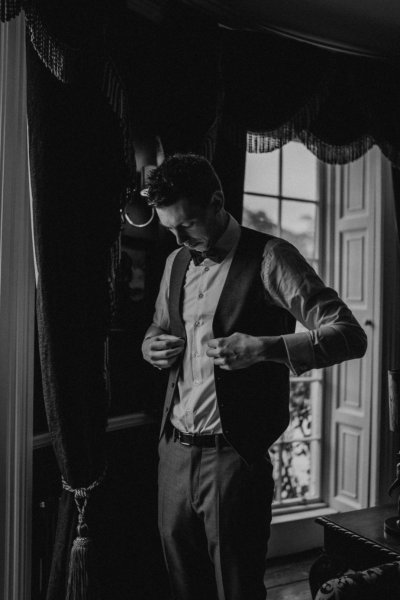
[332,335]
[195,410]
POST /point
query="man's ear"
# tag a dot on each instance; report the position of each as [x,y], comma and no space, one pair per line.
[217,200]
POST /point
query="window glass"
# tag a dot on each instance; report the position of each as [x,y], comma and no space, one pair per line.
[262,173]
[299,172]
[299,226]
[292,468]
[261,213]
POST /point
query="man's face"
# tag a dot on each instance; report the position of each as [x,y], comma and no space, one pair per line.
[193,225]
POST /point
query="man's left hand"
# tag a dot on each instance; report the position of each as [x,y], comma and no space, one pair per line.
[237,351]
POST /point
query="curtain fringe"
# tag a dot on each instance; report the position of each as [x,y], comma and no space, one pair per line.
[267,141]
[9,9]
[391,152]
[328,153]
[61,59]
[58,57]
[333,154]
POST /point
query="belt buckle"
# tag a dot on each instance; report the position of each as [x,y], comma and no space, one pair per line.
[180,436]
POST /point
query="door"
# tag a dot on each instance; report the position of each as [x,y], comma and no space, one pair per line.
[357,193]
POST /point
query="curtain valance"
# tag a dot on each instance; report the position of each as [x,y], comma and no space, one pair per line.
[175,76]
[337,105]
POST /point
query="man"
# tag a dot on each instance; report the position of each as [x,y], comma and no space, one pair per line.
[224,325]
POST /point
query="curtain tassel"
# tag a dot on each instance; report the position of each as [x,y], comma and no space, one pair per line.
[82,581]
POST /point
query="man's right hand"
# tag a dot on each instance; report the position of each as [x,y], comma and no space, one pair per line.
[162,350]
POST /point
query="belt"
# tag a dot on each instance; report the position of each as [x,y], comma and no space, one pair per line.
[203,441]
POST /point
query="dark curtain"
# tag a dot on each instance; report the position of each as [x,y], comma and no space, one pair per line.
[77,176]
[84,101]
[229,161]
[170,70]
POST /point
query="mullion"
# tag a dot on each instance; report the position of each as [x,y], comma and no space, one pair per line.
[280,192]
[277,196]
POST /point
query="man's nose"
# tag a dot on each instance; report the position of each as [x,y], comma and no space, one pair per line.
[181,237]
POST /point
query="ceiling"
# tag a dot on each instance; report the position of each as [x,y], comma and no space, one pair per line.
[370,27]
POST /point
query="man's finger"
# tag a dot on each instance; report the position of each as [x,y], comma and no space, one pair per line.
[212,353]
[226,368]
[161,364]
[164,354]
[170,338]
[165,344]
[215,343]
[220,361]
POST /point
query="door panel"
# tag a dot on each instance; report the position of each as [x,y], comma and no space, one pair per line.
[356,191]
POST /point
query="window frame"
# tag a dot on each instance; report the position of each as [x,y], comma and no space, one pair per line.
[297,505]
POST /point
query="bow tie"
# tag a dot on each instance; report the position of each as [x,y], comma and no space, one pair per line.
[212,254]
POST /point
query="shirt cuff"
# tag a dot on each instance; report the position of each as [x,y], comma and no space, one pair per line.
[300,352]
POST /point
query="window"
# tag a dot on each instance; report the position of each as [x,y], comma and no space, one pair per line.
[281,197]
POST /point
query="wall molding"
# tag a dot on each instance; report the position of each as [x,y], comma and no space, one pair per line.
[114,424]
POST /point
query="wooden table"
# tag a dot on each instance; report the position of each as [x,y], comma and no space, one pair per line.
[354,540]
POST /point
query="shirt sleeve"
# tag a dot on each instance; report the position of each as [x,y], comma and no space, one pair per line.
[161,312]
[333,334]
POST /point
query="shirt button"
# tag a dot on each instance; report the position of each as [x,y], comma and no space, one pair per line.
[206,268]
[197,381]
[201,295]
[197,323]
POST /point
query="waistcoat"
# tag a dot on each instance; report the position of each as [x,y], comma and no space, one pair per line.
[253,402]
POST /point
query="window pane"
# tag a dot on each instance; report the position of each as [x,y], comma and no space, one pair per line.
[262,173]
[300,411]
[299,172]
[296,456]
[299,222]
[261,213]
[293,462]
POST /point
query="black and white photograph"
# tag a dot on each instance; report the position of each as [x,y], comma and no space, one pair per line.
[199,300]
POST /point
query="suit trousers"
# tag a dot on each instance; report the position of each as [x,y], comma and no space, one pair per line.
[214,521]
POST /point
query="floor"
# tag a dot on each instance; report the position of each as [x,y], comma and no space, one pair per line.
[286,578]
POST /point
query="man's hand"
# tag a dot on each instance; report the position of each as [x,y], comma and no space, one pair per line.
[162,350]
[239,350]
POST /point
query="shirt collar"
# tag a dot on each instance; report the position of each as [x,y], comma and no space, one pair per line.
[229,239]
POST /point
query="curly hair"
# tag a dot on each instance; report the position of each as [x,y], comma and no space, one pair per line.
[188,176]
